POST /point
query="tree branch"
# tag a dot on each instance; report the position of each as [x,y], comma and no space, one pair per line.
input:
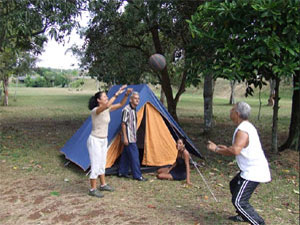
[181,89]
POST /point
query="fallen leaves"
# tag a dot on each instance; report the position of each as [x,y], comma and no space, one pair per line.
[151,206]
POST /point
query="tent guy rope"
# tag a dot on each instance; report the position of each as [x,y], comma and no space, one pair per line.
[195,165]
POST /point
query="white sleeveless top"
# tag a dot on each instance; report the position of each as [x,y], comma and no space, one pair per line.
[252,161]
[100,123]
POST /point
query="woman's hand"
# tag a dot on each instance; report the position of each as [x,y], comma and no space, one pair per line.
[121,90]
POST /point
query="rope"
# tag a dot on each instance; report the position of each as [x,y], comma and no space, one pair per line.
[195,164]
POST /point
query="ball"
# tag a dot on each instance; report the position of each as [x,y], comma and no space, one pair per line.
[157,62]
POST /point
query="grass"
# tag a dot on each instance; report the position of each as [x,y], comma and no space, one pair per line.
[41,120]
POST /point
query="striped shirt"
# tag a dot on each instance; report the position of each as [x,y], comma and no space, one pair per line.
[130,120]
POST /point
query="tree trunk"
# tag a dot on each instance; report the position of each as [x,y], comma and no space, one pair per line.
[165,80]
[275,118]
[272,83]
[293,140]
[208,102]
[5,90]
[162,96]
[232,94]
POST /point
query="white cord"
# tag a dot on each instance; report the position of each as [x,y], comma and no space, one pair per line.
[195,164]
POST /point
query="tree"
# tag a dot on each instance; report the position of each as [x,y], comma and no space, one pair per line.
[14,64]
[293,140]
[208,91]
[252,40]
[23,24]
[232,92]
[119,44]
[8,62]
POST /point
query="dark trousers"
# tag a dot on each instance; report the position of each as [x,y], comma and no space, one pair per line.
[130,157]
[241,191]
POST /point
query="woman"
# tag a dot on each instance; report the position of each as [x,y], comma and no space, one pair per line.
[180,170]
[100,107]
[251,160]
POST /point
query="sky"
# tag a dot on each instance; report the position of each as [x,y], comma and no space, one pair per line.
[55,55]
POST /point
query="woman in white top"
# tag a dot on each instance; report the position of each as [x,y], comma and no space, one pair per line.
[100,107]
[254,168]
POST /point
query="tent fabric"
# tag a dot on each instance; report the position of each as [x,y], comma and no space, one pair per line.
[160,147]
[159,124]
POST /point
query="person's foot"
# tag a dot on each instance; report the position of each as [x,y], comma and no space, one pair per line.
[236,218]
[106,188]
[96,193]
[141,179]
[123,175]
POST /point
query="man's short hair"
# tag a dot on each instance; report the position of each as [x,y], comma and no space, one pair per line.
[243,110]
[134,93]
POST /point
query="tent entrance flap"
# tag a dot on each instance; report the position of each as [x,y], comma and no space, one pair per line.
[160,147]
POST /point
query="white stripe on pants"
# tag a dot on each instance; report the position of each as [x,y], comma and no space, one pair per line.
[97,151]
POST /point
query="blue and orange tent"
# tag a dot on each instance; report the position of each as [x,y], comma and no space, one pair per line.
[157,134]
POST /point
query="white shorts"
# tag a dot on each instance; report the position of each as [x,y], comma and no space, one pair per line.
[97,151]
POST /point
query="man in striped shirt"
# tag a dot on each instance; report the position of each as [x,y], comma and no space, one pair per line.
[130,154]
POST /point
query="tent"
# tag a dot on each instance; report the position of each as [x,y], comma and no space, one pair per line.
[156,136]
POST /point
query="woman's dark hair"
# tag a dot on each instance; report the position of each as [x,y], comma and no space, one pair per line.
[183,141]
[93,100]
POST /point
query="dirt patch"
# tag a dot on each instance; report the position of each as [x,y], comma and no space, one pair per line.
[64,218]
[290,158]
[34,216]
[39,199]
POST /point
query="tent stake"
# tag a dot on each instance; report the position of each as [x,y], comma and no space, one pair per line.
[195,165]
[67,163]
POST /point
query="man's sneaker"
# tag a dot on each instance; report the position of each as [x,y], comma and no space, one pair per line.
[236,218]
[96,193]
[141,179]
[106,188]
[122,175]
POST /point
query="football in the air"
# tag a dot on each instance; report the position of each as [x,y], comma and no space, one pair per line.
[157,62]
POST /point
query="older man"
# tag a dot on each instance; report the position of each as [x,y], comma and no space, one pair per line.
[254,168]
[130,154]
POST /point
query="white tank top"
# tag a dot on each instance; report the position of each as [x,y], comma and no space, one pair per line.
[252,161]
[100,123]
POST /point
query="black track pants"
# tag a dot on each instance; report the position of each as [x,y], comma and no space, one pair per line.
[241,191]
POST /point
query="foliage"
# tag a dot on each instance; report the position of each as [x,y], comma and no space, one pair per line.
[120,42]
[24,22]
[48,77]
[77,83]
[36,81]
[250,39]
[13,63]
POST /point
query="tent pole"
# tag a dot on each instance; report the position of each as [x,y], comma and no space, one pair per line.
[195,164]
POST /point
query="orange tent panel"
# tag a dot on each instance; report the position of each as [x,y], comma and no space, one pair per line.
[160,147]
